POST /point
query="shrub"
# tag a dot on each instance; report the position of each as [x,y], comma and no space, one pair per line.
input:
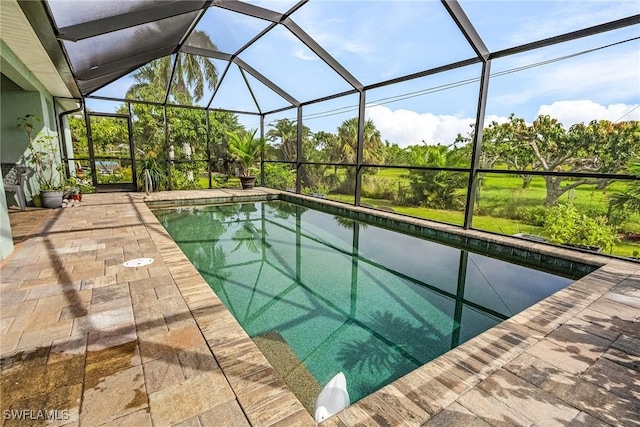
[157,172]
[379,188]
[513,209]
[565,225]
[279,176]
[536,215]
[219,180]
[318,189]
[180,180]
[437,189]
[84,185]
[120,175]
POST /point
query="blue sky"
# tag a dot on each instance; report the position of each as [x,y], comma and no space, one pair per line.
[380,40]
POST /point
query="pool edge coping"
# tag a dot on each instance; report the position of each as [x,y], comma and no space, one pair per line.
[460,368]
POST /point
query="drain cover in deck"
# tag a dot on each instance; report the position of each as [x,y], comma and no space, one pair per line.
[138,262]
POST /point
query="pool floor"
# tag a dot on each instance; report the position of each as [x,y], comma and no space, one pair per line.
[344,296]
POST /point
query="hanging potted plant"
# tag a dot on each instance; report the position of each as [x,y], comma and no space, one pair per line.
[246,148]
[44,159]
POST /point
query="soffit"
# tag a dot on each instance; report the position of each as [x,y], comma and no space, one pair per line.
[17,33]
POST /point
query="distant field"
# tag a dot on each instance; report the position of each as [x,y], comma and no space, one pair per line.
[502,192]
[496,188]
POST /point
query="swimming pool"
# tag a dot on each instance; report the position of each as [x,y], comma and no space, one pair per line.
[322,294]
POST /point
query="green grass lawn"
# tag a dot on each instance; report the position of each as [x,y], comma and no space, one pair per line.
[496,190]
[481,222]
[488,223]
[502,195]
[392,173]
[233,182]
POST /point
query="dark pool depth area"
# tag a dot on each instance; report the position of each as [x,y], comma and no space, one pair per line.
[344,295]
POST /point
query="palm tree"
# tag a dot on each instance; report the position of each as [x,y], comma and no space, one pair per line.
[438,189]
[629,199]
[192,73]
[245,147]
[286,131]
[372,148]
[151,81]
[327,145]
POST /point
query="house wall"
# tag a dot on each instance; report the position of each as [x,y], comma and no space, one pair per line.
[20,94]
[16,103]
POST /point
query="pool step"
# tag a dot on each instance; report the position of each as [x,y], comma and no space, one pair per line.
[286,363]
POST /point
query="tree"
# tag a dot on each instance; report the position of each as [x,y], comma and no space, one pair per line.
[192,74]
[597,147]
[284,133]
[372,147]
[438,189]
[616,145]
[326,144]
[78,137]
[584,148]
[220,122]
[110,136]
[394,155]
[151,81]
[187,127]
[625,202]
[500,142]
[187,133]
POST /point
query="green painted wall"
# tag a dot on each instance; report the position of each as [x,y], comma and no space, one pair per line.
[20,94]
[16,103]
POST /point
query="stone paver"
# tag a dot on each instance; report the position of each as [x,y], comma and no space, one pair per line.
[154,346]
[189,398]
[456,415]
[491,410]
[534,403]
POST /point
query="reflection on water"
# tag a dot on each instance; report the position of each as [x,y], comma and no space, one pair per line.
[369,302]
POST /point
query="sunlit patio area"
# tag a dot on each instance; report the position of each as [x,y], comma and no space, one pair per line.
[105,344]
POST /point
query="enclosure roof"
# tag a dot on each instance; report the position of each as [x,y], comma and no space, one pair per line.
[105,41]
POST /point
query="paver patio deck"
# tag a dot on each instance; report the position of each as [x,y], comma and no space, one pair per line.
[105,344]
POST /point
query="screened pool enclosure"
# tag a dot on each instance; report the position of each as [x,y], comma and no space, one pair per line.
[482,114]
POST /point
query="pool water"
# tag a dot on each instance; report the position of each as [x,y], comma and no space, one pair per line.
[347,296]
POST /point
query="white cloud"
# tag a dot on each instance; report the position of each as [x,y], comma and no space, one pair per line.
[557,17]
[606,76]
[305,54]
[583,111]
[405,127]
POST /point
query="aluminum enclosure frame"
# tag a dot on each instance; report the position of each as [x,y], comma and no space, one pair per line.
[41,19]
